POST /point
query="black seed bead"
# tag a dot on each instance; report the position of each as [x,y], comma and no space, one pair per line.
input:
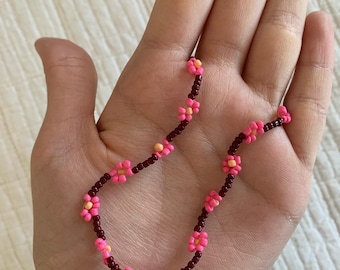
[140,166]
[95,189]
[232,148]
[201,223]
[146,163]
[224,188]
[96,223]
[195,259]
[116,267]
[103,237]
[184,122]
[198,228]
[181,127]
[198,78]
[135,170]
[98,184]
[191,264]
[110,264]
[91,193]
[231,177]
[227,185]
[238,140]
[151,161]
[154,157]
[191,96]
[103,180]
[221,193]
[235,144]
[198,254]
[266,128]
[110,260]
[100,234]
[107,176]
[242,136]
[232,153]
[97,229]
[96,218]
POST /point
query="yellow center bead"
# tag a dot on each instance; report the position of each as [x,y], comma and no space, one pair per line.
[158,147]
[197,241]
[108,248]
[88,205]
[188,110]
[121,171]
[197,63]
[254,132]
[231,163]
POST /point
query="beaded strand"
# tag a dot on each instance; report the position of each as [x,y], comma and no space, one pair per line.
[231,166]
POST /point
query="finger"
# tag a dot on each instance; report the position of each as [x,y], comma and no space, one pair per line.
[275,48]
[309,94]
[71,88]
[175,26]
[229,32]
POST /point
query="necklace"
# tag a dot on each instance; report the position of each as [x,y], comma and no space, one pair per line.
[231,166]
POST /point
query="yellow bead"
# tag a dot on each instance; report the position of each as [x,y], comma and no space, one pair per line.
[88,205]
[108,248]
[197,63]
[231,163]
[188,110]
[158,147]
[121,171]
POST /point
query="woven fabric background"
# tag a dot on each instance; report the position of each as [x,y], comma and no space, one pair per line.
[110,30]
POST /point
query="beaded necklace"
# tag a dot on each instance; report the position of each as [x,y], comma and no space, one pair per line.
[231,166]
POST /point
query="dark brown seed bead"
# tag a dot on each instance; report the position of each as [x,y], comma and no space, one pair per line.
[146,163]
[265,128]
[97,229]
[96,218]
[151,161]
[221,193]
[91,193]
[181,127]
[235,144]
[103,237]
[140,166]
[198,228]
[154,157]
[110,259]
[227,186]
[195,259]
[135,170]
[116,267]
[184,122]
[107,176]
[242,136]
[230,176]
[198,254]
[198,78]
[232,153]
[95,189]
[100,234]
[238,140]
[98,184]
[201,223]
[96,223]
[191,264]
[103,180]
[232,148]
[191,96]
[110,264]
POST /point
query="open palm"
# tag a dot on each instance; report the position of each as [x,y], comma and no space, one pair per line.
[249,50]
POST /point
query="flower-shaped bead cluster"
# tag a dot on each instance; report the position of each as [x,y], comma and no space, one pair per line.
[198,241]
[163,149]
[104,248]
[90,208]
[195,66]
[252,130]
[186,113]
[122,170]
[284,114]
[212,200]
[231,164]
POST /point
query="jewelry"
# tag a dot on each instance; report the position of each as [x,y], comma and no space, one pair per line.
[231,165]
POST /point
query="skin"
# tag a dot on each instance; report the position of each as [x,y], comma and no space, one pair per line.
[248,65]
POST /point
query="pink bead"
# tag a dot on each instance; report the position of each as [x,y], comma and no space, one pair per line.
[100,244]
[87,197]
[84,212]
[87,217]
[94,211]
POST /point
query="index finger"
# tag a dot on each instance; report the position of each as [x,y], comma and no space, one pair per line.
[175,26]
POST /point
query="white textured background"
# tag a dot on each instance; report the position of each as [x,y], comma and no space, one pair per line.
[110,30]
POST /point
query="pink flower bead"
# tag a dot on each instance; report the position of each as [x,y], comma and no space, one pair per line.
[195,66]
[186,113]
[100,244]
[231,164]
[90,208]
[198,241]
[252,130]
[284,114]
[122,170]
[212,200]
[167,149]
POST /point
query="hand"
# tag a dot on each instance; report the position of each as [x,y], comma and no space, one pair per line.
[249,50]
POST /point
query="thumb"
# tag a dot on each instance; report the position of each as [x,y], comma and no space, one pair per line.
[71,89]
